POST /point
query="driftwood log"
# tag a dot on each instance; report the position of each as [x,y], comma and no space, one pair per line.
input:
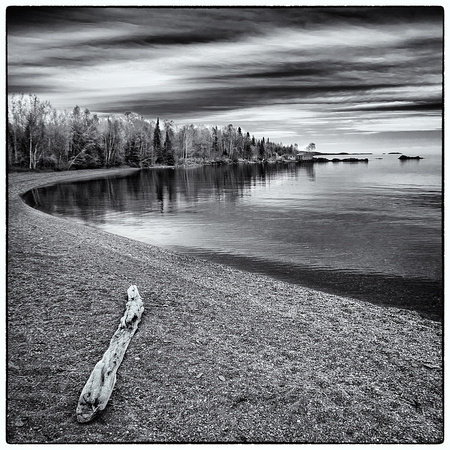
[98,389]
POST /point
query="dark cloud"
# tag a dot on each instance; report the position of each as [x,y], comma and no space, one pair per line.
[57,61]
[167,39]
[38,83]
[224,20]
[425,44]
[22,18]
[31,88]
[283,70]
[175,25]
[329,70]
[432,105]
[202,101]
[383,14]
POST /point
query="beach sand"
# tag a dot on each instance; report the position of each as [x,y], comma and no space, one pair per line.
[221,355]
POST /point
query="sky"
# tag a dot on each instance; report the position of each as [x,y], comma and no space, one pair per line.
[346,78]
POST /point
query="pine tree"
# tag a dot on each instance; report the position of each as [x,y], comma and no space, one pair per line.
[168,152]
[261,148]
[157,147]
[247,147]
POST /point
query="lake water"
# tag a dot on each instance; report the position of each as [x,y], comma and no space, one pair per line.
[368,230]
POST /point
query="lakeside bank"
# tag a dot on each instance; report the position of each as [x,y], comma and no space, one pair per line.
[221,355]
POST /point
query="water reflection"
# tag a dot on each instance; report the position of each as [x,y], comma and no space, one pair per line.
[160,190]
[375,226]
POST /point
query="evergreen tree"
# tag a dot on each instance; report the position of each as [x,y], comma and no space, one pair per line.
[157,147]
[240,143]
[168,151]
[247,147]
[261,149]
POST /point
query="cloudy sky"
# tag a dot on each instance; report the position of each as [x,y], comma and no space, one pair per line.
[348,79]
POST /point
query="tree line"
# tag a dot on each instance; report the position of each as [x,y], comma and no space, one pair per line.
[42,137]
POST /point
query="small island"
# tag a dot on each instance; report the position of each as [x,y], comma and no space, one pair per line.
[337,160]
[404,157]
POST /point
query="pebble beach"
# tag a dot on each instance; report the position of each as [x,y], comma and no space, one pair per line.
[221,355]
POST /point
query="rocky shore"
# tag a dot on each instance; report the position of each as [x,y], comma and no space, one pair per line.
[221,355]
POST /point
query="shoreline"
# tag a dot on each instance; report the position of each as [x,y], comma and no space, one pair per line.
[299,365]
[424,295]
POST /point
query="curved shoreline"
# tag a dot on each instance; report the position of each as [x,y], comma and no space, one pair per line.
[278,346]
[424,295]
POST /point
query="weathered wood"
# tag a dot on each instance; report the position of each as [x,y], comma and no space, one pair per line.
[98,389]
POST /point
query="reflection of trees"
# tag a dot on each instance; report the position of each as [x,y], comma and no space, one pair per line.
[310,171]
[163,190]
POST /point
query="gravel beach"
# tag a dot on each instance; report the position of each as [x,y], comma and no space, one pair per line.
[221,355]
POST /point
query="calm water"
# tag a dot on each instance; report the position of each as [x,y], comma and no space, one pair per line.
[368,230]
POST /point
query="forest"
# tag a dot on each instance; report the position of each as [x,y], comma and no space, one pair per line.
[40,137]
